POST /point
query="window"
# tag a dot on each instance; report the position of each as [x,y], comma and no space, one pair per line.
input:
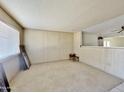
[115,41]
[9,41]
[106,43]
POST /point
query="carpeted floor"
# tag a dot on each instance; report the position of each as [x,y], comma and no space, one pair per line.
[63,76]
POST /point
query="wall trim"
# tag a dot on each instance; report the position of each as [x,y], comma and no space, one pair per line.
[11,17]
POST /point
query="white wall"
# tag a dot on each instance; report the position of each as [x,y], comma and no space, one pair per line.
[109,60]
[90,39]
[77,42]
[44,46]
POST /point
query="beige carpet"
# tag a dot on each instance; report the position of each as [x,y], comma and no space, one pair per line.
[63,76]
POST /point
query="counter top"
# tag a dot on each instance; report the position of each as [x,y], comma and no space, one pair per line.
[102,47]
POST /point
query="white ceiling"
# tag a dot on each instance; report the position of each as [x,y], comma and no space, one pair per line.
[107,27]
[62,15]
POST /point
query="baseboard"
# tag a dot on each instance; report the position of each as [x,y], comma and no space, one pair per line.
[48,62]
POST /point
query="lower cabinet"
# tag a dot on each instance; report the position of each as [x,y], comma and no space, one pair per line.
[109,60]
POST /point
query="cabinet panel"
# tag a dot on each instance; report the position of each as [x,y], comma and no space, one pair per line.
[114,62]
[44,46]
[35,45]
[52,49]
[66,45]
[93,57]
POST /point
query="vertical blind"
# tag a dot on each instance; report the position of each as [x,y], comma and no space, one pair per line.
[9,41]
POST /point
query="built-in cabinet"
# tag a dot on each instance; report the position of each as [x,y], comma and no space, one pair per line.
[109,60]
[92,57]
[46,46]
[114,63]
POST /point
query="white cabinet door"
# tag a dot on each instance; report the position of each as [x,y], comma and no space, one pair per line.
[35,45]
[66,45]
[108,60]
[118,63]
[114,63]
[52,49]
[93,57]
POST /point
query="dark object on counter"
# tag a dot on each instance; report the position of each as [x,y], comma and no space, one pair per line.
[100,41]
